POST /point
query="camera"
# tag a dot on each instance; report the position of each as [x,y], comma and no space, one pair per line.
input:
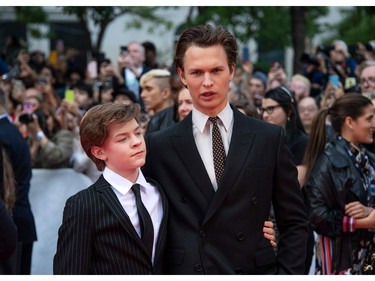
[322,51]
[107,84]
[26,118]
[12,74]
[309,59]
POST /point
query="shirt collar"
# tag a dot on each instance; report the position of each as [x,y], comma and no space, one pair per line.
[200,119]
[121,184]
[5,115]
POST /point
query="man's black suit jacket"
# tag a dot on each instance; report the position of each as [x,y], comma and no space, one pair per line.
[221,233]
[97,236]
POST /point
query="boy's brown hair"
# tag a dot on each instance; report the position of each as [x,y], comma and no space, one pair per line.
[94,125]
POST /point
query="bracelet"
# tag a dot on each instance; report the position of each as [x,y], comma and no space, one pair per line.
[39,135]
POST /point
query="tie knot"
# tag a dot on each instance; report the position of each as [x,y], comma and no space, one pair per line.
[213,120]
[136,189]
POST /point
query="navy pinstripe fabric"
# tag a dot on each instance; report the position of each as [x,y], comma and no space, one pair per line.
[97,236]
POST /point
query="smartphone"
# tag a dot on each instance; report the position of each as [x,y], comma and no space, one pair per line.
[245,54]
[69,95]
[92,69]
[275,66]
[334,80]
[123,50]
[107,84]
[350,82]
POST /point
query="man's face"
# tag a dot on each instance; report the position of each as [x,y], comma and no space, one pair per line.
[299,88]
[256,87]
[367,79]
[207,76]
[152,95]
[136,54]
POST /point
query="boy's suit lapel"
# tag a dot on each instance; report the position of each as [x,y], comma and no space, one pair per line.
[109,198]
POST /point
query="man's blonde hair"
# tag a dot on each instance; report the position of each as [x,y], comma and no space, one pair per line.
[162,76]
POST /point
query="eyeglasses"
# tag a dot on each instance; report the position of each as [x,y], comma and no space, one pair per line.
[307,109]
[268,109]
[369,80]
[339,51]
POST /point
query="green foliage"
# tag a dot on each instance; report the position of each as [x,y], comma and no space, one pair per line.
[357,25]
[32,14]
[274,31]
[241,21]
[313,14]
[268,25]
[102,16]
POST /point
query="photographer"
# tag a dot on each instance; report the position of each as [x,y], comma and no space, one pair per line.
[31,101]
[315,68]
[131,63]
[109,80]
[27,74]
[344,64]
[50,146]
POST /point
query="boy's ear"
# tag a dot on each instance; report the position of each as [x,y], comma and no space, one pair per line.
[98,153]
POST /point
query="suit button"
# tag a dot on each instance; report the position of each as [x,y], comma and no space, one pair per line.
[240,236]
[182,199]
[198,267]
[238,270]
[202,233]
[254,201]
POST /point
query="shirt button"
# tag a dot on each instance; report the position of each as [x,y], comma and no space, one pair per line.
[202,233]
[240,236]
[198,267]
[254,201]
[182,199]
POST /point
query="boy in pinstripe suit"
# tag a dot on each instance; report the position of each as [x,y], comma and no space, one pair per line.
[101,230]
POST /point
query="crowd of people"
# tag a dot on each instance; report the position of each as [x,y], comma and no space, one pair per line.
[296,151]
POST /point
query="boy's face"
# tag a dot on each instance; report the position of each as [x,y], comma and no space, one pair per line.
[124,150]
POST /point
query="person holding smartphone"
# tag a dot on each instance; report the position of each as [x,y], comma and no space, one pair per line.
[132,67]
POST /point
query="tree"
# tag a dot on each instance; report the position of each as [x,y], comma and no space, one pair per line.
[357,25]
[103,16]
[272,27]
[298,27]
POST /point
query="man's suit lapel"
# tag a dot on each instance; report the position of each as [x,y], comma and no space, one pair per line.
[240,145]
[186,148]
[109,198]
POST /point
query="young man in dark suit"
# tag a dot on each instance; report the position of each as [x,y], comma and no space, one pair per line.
[118,224]
[217,208]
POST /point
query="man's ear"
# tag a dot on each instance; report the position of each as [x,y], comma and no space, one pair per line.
[182,76]
[98,153]
[232,69]
[167,93]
